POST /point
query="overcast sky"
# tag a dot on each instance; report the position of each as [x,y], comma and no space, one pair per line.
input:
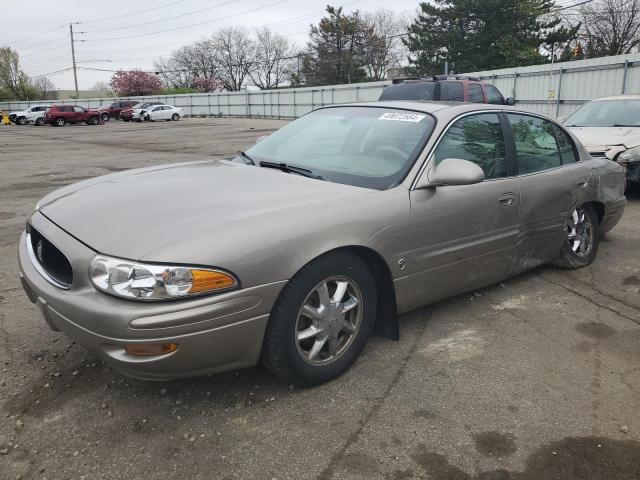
[39,29]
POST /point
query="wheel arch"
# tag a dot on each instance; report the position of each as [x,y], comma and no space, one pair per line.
[386,323]
[598,207]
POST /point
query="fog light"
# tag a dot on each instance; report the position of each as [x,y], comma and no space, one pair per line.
[147,350]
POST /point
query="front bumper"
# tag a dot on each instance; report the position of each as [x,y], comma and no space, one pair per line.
[214,334]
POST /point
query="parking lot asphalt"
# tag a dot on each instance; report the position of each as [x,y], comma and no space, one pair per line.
[535,378]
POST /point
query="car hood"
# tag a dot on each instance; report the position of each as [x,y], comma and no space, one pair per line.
[132,213]
[603,139]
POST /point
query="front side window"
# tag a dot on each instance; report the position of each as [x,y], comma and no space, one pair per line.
[78,109]
[478,139]
[493,95]
[535,142]
[452,91]
[370,147]
[475,93]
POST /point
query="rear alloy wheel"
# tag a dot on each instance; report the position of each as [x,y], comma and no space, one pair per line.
[583,237]
[39,121]
[22,121]
[175,117]
[321,321]
[105,117]
[59,122]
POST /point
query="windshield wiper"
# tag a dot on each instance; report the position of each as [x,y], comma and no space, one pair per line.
[623,125]
[291,169]
[247,159]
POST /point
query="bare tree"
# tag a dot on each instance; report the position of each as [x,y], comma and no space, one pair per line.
[274,59]
[610,27]
[45,87]
[235,54]
[385,49]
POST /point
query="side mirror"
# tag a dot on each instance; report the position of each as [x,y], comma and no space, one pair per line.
[509,101]
[451,171]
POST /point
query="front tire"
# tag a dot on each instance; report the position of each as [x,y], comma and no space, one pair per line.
[39,121]
[321,321]
[175,117]
[105,117]
[21,121]
[59,122]
[583,237]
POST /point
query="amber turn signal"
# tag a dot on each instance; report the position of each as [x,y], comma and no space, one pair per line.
[208,280]
[147,350]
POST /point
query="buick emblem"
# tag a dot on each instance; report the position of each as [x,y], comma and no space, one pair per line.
[39,252]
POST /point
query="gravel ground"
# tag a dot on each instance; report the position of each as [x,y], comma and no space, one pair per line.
[537,378]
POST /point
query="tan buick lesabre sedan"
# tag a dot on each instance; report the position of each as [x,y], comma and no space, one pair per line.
[295,251]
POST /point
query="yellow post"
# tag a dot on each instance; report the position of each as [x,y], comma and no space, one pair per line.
[5,118]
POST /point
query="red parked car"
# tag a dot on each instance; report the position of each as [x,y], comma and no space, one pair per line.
[114,110]
[444,88]
[59,115]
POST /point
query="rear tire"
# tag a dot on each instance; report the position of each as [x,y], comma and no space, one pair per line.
[175,117]
[105,117]
[583,237]
[59,122]
[321,321]
[93,121]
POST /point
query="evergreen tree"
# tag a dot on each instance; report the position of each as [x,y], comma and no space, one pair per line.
[336,49]
[475,35]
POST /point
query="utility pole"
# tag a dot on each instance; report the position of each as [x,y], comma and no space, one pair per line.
[73,58]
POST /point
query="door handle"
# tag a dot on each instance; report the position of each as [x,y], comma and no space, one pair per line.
[506,199]
[582,182]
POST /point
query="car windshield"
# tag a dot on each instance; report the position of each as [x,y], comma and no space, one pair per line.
[409,91]
[370,147]
[606,113]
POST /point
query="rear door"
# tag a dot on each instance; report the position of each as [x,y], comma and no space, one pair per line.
[552,182]
[464,236]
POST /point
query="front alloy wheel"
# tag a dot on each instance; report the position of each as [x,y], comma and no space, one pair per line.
[329,320]
[321,321]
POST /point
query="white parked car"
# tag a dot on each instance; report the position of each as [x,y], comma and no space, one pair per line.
[610,127]
[158,112]
[32,114]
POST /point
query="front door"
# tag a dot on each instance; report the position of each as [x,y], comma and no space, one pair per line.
[464,236]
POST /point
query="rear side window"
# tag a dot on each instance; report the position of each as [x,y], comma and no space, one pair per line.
[409,91]
[478,139]
[568,151]
[78,109]
[475,93]
[493,95]
[452,91]
[536,146]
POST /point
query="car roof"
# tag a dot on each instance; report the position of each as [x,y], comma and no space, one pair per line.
[618,97]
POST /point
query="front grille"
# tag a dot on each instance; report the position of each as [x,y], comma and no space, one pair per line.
[54,263]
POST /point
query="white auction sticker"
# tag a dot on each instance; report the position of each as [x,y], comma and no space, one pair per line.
[402,117]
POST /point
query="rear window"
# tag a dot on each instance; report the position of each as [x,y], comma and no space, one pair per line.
[409,91]
[452,91]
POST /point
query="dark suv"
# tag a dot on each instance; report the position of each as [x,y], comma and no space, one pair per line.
[58,115]
[113,110]
[444,88]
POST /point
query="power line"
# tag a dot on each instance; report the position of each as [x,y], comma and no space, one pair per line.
[51,73]
[133,13]
[39,34]
[40,52]
[186,26]
[44,43]
[136,25]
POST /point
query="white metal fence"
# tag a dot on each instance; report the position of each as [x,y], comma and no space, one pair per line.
[555,90]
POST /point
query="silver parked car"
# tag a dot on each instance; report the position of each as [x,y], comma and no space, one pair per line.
[609,127]
[296,250]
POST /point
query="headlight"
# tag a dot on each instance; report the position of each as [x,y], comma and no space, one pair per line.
[631,155]
[140,281]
